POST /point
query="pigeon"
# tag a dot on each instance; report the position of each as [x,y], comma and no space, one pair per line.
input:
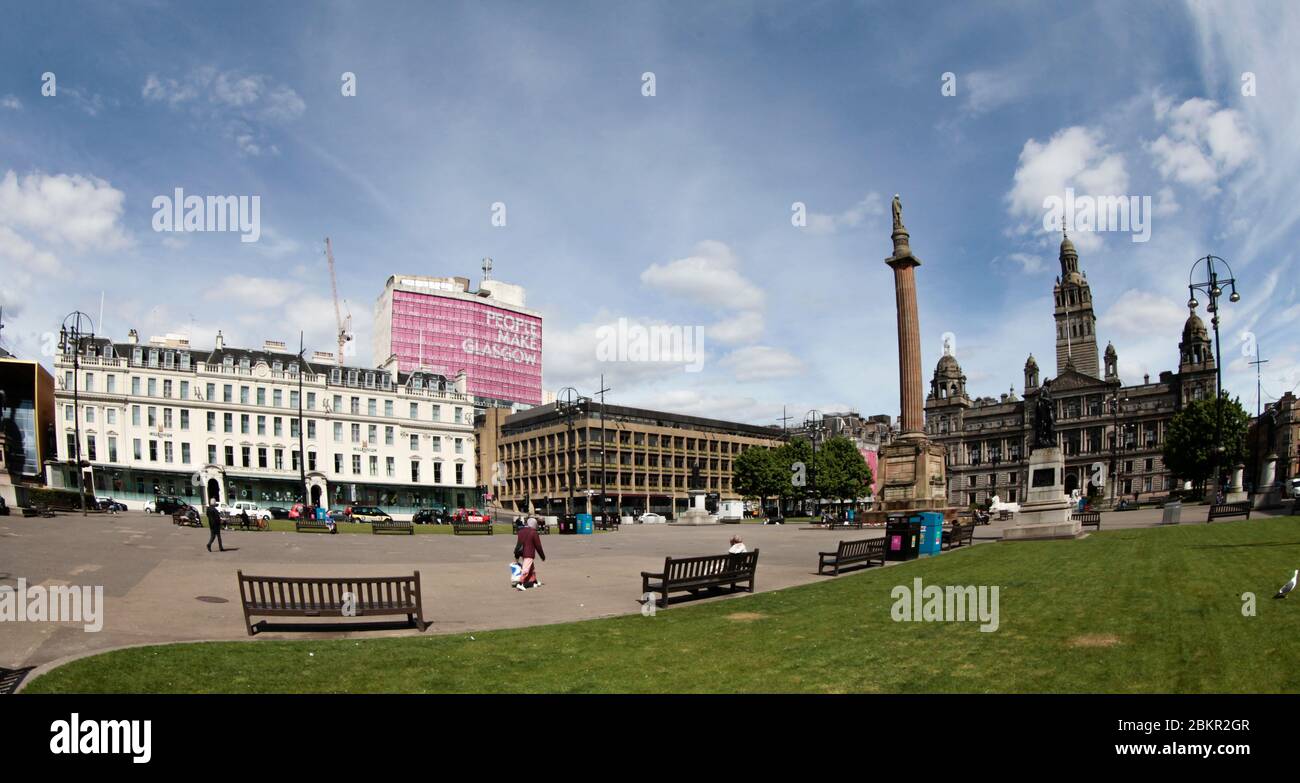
[1288,587]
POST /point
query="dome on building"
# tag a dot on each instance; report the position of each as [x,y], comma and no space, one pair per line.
[948,367]
[1194,330]
[1110,350]
[1067,247]
[1030,364]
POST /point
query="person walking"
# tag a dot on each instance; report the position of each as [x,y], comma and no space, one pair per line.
[529,547]
[214,525]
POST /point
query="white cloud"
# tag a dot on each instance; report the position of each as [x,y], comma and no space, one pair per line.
[70,209]
[711,276]
[244,103]
[10,102]
[1074,157]
[1202,143]
[990,89]
[1139,313]
[1027,263]
[762,363]
[870,206]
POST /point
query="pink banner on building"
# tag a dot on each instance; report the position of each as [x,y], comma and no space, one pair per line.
[500,350]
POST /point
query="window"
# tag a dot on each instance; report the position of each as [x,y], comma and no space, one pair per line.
[278,429]
[90,381]
[374,465]
[167,451]
[457,415]
[311,401]
[389,466]
[338,431]
[211,393]
[355,403]
[112,447]
[311,460]
[437,443]
[372,434]
[185,419]
[152,416]
[246,456]
[112,384]
[228,393]
[437,413]
[460,473]
[261,457]
[261,425]
[437,473]
[277,398]
[243,423]
[338,463]
[135,387]
[212,454]
[90,447]
[356,433]
[135,415]
[261,395]
[110,416]
[228,422]
[415,471]
[372,406]
[279,459]
[135,448]
[90,415]
[356,464]
[185,453]
[230,456]
[167,388]
[243,395]
[185,390]
[153,387]
[294,461]
[153,451]
[388,407]
[415,443]
[415,410]
[460,445]
[388,436]
[167,418]
[311,428]
[293,399]
[212,421]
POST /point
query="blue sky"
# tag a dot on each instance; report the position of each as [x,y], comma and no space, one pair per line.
[672,209]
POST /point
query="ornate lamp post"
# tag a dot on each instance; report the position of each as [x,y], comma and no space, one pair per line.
[814,423]
[1212,287]
[567,401]
[77,328]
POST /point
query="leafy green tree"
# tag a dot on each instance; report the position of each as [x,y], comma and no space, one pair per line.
[795,459]
[842,472]
[758,473]
[1190,442]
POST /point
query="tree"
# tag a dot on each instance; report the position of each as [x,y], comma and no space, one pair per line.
[758,473]
[795,459]
[842,472]
[1190,442]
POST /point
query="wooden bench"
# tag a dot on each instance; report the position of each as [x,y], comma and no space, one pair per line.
[1090,519]
[392,526]
[370,596]
[185,519]
[236,522]
[313,526]
[865,550]
[470,528]
[1221,510]
[693,574]
[1004,514]
[38,510]
[959,535]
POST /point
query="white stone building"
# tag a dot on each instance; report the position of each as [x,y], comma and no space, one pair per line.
[164,418]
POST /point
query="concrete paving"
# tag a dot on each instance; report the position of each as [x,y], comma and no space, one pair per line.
[160,583]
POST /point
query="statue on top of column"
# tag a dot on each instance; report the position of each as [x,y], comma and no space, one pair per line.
[897,207]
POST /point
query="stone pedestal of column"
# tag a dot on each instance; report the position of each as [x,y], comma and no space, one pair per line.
[697,514]
[1236,491]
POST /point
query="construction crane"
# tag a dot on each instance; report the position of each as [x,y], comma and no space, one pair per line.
[344,325]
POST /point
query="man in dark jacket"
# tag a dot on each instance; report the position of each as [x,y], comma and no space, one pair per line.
[529,545]
[214,525]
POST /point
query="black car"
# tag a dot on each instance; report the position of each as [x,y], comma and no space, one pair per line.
[166,505]
[278,513]
[430,516]
[109,504]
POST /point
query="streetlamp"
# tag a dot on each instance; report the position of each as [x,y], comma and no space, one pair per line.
[814,423]
[77,327]
[1113,405]
[1212,287]
[302,454]
[568,400]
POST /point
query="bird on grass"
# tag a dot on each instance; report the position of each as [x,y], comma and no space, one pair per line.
[1288,587]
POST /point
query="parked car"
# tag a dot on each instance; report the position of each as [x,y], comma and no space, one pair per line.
[367,514]
[651,518]
[164,505]
[470,515]
[253,510]
[109,504]
[279,512]
[431,516]
[299,509]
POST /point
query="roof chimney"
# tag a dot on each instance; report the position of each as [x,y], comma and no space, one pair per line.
[221,341]
[132,337]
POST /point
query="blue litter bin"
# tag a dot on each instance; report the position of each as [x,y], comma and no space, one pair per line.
[931,532]
[585,526]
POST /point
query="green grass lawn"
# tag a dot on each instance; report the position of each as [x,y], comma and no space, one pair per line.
[1157,610]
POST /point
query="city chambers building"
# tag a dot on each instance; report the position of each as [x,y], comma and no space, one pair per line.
[548,454]
[165,418]
[1112,433]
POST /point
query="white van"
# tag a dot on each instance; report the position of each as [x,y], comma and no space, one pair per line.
[1295,488]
